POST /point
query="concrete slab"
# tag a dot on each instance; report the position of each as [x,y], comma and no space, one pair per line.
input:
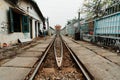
[115,59]
[4,61]
[36,49]
[98,66]
[48,41]
[30,54]
[106,53]
[92,47]
[83,52]
[90,58]
[41,46]
[78,48]
[21,62]
[104,71]
[83,43]
[12,73]
[100,50]
[40,41]
[67,40]
[74,45]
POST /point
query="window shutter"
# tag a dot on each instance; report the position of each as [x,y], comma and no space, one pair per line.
[11,28]
[25,24]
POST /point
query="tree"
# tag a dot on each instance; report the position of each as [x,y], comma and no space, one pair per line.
[96,8]
[72,21]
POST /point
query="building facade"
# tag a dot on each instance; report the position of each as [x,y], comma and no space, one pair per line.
[19,19]
[63,31]
[51,31]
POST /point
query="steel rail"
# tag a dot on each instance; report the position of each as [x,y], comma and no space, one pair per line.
[40,62]
[61,49]
[79,65]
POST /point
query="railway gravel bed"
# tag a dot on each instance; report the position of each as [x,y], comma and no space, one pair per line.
[58,45]
[68,71]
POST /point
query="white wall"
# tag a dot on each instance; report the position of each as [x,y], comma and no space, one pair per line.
[31,11]
[11,38]
[23,5]
[5,37]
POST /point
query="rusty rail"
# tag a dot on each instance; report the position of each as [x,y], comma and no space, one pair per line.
[40,62]
[86,74]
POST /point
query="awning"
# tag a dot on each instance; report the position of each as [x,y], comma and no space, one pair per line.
[18,10]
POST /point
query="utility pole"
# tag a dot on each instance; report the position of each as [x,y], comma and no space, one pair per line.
[44,32]
[48,26]
[79,27]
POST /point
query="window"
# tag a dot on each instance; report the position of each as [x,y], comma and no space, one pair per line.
[14,21]
[25,24]
[11,28]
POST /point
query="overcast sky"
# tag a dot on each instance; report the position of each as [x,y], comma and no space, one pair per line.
[59,11]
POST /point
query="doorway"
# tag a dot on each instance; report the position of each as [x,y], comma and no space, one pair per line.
[31,35]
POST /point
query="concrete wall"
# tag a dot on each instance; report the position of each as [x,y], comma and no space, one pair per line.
[70,30]
[11,38]
[63,31]
[29,9]
[5,37]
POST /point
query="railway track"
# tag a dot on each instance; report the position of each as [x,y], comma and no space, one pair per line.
[59,63]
